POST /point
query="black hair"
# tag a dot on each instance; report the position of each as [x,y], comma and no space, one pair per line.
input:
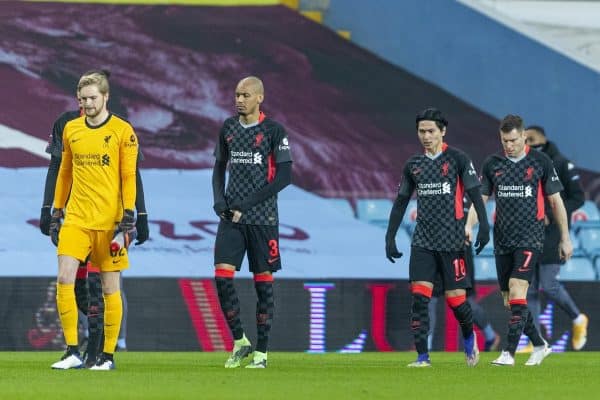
[537,128]
[432,114]
[511,122]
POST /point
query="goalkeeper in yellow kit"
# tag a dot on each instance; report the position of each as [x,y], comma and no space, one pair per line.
[98,177]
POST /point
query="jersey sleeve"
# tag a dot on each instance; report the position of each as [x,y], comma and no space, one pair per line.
[221,152]
[407,185]
[550,181]
[64,179]
[55,143]
[128,154]
[467,172]
[487,186]
[281,146]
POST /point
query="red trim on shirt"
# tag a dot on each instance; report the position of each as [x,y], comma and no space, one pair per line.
[271,168]
[541,212]
[261,117]
[459,210]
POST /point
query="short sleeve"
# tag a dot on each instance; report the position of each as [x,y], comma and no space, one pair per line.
[281,146]
[487,186]
[550,181]
[221,153]
[407,185]
[467,172]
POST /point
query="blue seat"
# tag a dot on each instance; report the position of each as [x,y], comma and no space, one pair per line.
[375,211]
[578,269]
[485,268]
[586,216]
[589,239]
[578,250]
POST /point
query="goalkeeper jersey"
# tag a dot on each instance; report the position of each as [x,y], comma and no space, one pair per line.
[97,158]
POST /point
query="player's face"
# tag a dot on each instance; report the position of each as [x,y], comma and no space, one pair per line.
[247,99]
[513,142]
[92,101]
[431,136]
[534,138]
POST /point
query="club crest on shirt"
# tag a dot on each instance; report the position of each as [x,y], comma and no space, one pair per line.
[529,173]
[445,167]
[258,139]
[107,140]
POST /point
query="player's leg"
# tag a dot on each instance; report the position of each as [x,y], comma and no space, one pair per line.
[456,281]
[264,260]
[504,266]
[122,340]
[73,246]
[422,273]
[556,292]
[229,252]
[95,316]
[111,265]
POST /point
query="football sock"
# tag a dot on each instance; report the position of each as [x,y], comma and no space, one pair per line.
[95,314]
[113,313]
[463,314]
[518,317]
[265,306]
[230,305]
[67,311]
[419,323]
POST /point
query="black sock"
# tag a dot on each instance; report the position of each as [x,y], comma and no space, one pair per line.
[230,305]
[81,294]
[532,332]
[265,307]
[516,324]
[95,315]
[419,323]
[464,315]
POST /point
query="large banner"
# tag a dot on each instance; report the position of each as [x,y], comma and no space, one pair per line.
[317,240]
[335,315]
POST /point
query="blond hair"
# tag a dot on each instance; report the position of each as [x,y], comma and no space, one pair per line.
[94,78]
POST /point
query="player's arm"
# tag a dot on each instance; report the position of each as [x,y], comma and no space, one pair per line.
[560,218]
[141,223]
[573,195]
[221,154]
[54,149]
[405,191]
[479,214]
[128,155]
[64,179]
[473,189]
[283,177]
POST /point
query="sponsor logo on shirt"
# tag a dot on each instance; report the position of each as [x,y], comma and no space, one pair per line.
[509,191]
[285,145]
[433,189]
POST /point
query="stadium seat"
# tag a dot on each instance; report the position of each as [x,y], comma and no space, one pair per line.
[374,211]
[342,205]
[589,238]
[485,268]
[578,269]
[578,250]
[586,216]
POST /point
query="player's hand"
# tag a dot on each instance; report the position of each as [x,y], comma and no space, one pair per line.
[483,238]
[565,247]
[468,235]
[220,207]
[55,223]
[236,216]
[141,225]
[45,218]
[391,251]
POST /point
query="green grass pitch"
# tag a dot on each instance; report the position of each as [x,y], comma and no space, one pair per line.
[195,375]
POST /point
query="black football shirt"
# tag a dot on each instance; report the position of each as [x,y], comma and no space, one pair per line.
[520,188]
[253,154]
[440,184]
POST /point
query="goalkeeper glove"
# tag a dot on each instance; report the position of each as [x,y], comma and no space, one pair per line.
[125,233]
[391,251]
[141,225]
[55,224]
[45,218]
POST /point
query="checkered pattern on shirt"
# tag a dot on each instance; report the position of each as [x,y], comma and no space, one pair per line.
[519,220]
[440,223]
[261,147]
